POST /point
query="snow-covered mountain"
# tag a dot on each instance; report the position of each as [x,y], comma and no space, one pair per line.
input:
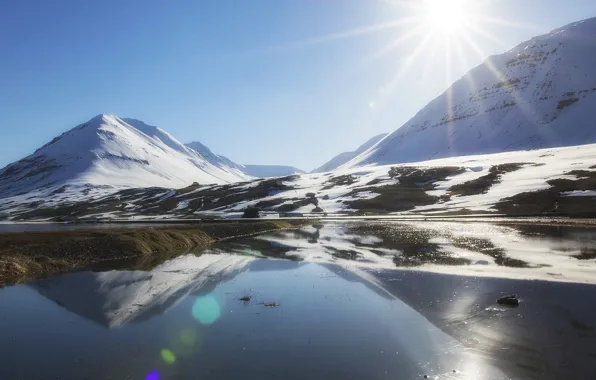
[540,94]
[217,160]
[266,171]
[109,151]
[344,157]
[258,171]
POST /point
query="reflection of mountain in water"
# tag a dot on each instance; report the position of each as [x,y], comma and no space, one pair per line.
[522,342]
[545,338]
[115,298]
[551,253]
[518,340]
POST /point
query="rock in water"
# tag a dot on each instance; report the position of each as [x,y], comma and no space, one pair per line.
[510,300]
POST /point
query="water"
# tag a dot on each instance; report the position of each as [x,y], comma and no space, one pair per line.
[324,302]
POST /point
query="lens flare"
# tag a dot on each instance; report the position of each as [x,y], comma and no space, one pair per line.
[168,356]
[153,375]
[206,310]
[188,336]
[185,342]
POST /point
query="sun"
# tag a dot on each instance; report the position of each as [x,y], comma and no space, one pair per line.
[428,36]
[446,16]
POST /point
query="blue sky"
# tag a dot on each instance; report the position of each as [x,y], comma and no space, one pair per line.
[255,80]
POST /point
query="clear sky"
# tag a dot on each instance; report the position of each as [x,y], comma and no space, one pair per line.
[261,81]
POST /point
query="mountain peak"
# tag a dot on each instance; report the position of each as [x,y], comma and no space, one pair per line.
[109,151]
[102,118]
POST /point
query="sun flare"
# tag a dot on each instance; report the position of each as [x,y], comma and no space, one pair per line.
[447,16]
[439,36]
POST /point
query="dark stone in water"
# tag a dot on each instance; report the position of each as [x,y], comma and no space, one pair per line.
[510,300]
[245,299]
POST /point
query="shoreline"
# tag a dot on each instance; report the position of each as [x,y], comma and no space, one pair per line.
[577,221]
[36,254]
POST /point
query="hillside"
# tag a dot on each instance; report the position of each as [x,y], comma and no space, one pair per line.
[217,160]
[540,94]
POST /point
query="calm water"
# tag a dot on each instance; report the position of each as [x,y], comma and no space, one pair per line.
[358,301]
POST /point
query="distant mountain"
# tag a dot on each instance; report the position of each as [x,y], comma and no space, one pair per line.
[108,151]
[258,171]
[344,157]
[216,160]
[540,94]
[266,171]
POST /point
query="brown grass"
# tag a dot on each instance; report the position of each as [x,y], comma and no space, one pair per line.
[408,190]
[550,202]
[29,255]
[483,184]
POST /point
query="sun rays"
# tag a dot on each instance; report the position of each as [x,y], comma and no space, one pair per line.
[451,30]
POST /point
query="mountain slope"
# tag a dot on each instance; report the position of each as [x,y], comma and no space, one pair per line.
[111,152]
[219,161]
[344,157]
[540,94]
